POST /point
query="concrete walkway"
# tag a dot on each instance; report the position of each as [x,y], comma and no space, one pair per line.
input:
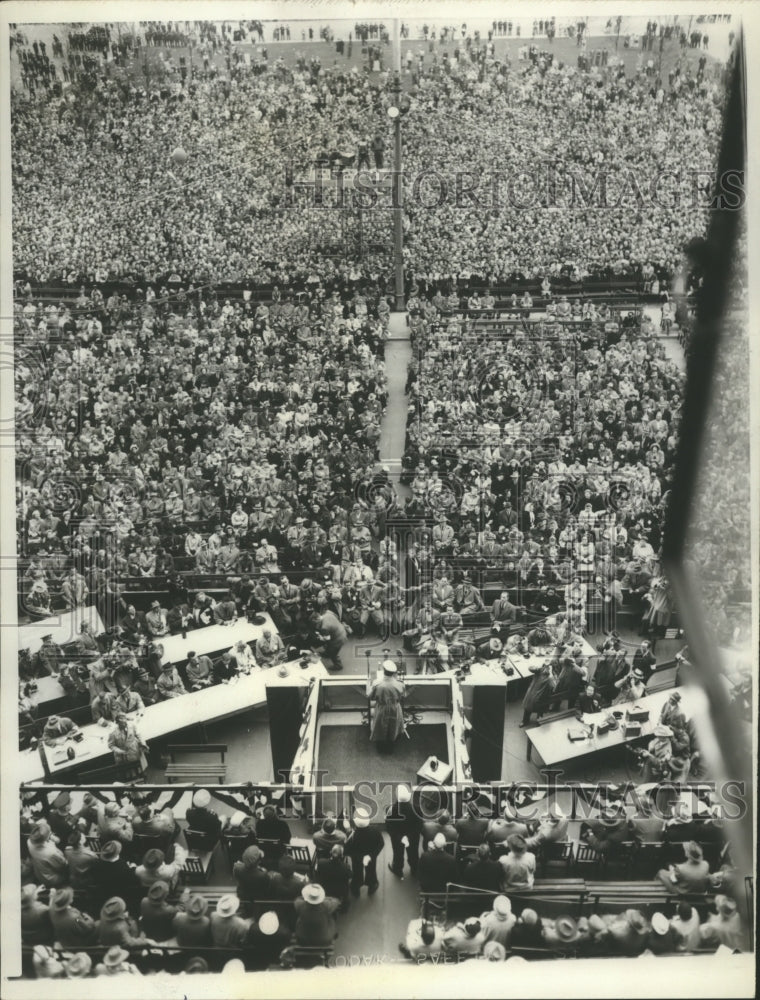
[398,352]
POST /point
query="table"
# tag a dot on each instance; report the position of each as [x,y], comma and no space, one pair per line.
[193,708]
[213,638]
[527,665]
[438,777]
[554,747]
[64,627]
[48,689]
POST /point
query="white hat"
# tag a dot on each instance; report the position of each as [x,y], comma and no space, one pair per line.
[660,923]
[403,793]
[439,841]
[361,818]
[237,818]
[269,923]
[502,906]
[313,894]
[235,966]
[389,667]
[201,797]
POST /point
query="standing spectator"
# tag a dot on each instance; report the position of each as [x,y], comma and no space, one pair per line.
[363,846]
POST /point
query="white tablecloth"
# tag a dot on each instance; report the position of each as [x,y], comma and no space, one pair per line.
[213,638]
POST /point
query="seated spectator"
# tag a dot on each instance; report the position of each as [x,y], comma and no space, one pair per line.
[58,729]
[628,933]
[228,930]
[286,883]
[200,817]
[193,926]
[334,875]
[71,927]
[686,928]
[315,917]
[127,745]
[561,934]
[268,649]
[48,863]
[424,939]
[115,963]
[153,822]
[441,825]
[646,826]
[497,923]
[266,939]
[81,861]
[116,926]
[199,670]
[169,683]
[609,830]
[528,931]
[472,827]
[502,828]
[690,876]
[273,827]
[253,882]
[156,914]
[724,927]
[155,867]
[36,925]
[551,828]
[113,824]
[662,938]
[113,875]
[60,819]
[328,836]
[436,866]
[518,866]
[464,939]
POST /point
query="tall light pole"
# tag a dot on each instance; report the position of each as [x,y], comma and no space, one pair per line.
[394,113]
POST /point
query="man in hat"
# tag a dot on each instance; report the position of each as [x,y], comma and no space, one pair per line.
[115,963]
[77,966]
[363,846]
[334,875]
[497,923]
[611,828]
[228,930]
[387,694]
[113,876]
[644,660]
[156,914]
[672,714]
[200,817]
[724,927]
[657,757]
[690,876]
[253,882]
[126,743]
[71,927]
[116,927]
[81,860]
[472,828]
[630,688]
[436,866]
[58,729]
[315,917]
[662,938]
[331,631]
[286,883]
[559,934]
[155,867]
[518,865]
[48,863]
[265,941]
[60,818]
[36,926]
[193,927]
[169,683]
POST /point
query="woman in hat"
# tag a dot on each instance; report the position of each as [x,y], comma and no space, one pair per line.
[387,693]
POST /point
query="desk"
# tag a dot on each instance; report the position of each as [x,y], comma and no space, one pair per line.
[64,628]
[48,689]
[553,746]
[193,708]
[438,777]
[213,638]
[527,665]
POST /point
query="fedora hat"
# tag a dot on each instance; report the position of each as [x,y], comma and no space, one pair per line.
[662,731]
[78,966]
[196,907]
[115,956]
[313,894]
[113,909]
[158,891]
[110,851]
[201,798]
[228,905]
[502,906]
[63,898]
[566,928]
[153,858]
[660,923]
[269,923]
[40,834]
[251,856]
[196,965]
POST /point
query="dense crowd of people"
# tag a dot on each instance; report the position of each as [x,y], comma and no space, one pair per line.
[224,214]
[98,890]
